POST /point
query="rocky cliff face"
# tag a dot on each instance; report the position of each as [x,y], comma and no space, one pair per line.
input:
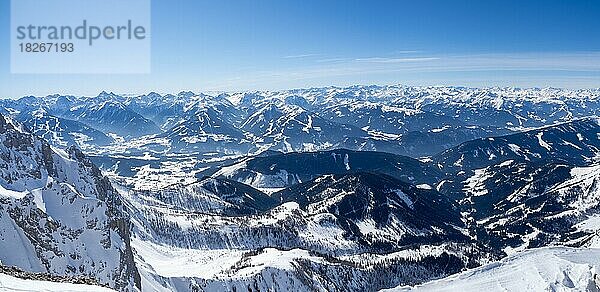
[58,214]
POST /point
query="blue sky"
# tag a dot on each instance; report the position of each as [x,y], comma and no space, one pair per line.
[268,44]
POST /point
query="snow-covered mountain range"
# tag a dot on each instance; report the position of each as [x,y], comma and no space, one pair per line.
[413,121]
[326,189]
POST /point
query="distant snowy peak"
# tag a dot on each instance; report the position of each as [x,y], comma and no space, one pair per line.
[207,130]
[500,98]
[263,120]
[113,117]
[414,121]
[475,96]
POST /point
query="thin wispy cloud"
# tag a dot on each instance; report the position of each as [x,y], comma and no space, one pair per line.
[333,60]
[407,52]
[300,56]
[395,60]
[575,61]
[525,68]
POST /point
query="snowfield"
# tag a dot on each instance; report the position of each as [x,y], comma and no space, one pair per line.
[9,283]
[543,269]
[168,261]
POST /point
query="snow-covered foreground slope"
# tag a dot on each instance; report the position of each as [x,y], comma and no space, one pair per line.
[10,283]
[543,269]
[168,268]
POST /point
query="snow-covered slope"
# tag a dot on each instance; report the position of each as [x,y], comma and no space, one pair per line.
[10,283]
[273,269]
[378,209]
[210,195]
[543,269]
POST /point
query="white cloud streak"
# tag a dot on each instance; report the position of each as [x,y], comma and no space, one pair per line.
[585,64]
[395,60]
[300,56]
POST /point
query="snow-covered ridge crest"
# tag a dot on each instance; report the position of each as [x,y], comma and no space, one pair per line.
[543,269]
